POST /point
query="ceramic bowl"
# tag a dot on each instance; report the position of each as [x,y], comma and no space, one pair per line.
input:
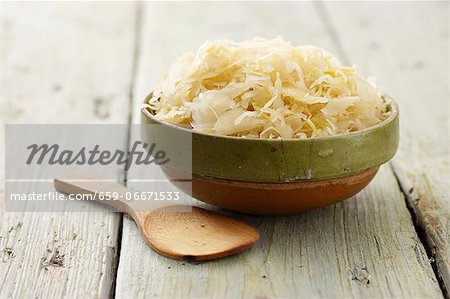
[260,176]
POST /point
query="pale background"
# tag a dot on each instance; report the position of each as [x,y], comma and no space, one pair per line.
[95,62]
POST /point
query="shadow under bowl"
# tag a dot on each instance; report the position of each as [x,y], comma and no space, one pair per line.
[273,177]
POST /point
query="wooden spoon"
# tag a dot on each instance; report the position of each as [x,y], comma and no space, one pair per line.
[175,231]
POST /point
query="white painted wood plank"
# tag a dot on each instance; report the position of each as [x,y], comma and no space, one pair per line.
[364,248]
[406,46]
[62,63]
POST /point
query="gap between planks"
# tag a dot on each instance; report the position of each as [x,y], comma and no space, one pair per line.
[418,228]
[38,66]
[405,186]
[135,62]
[215,274]
[421,234]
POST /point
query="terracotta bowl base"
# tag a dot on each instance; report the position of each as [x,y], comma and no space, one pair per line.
[273,198]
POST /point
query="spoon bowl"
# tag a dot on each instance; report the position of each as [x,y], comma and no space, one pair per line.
[200,234]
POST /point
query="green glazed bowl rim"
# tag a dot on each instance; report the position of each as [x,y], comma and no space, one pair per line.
[288,160]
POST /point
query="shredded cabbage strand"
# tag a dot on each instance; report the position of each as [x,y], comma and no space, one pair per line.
[267,89]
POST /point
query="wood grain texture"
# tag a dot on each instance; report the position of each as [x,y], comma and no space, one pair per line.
[365,247]
[62,63]
[406,47]
[177,231]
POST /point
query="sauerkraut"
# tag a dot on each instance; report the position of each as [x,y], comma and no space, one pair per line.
[267,89]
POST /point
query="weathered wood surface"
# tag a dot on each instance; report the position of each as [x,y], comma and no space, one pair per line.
[406,47]
[74,63]
[366,247]
[62,63]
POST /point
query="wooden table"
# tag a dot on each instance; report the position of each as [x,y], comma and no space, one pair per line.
[95,62]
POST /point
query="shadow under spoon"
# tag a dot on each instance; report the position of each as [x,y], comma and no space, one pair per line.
[176,231]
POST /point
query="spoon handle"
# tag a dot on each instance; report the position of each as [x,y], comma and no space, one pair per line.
[104,191]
